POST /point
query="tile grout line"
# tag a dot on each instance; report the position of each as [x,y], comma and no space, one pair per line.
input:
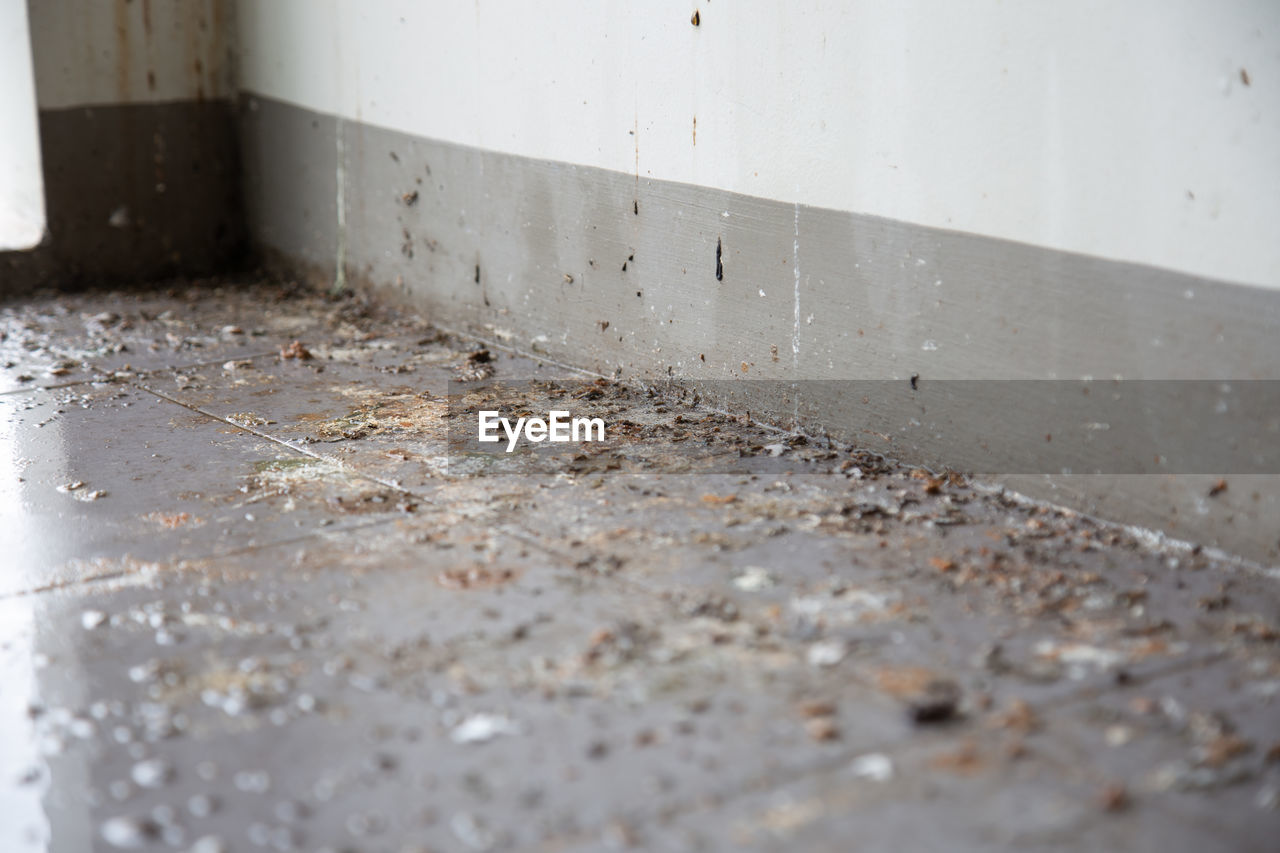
[178,566]
[337,463]
[892,747]
[293,540]
[895,747]
[213,361]
[1164,542]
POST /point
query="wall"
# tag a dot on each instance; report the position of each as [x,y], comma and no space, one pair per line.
[1143,131]
[21,189]
[916,191]
[132,51]
[137,140]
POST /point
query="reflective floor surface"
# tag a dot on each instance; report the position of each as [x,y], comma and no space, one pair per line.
[250,599]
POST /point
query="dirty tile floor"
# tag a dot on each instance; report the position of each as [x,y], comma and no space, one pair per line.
[247,603]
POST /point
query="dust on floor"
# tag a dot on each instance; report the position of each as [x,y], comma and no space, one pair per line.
[295,616]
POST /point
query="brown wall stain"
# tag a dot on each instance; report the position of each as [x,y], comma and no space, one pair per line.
[219,58]
[124,64]
[190,40]
[146,37]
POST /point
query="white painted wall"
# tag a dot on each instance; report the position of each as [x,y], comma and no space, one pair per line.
[1123,130]
[132,51]
[21,183]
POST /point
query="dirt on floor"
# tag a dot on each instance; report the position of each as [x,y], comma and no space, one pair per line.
[263,589]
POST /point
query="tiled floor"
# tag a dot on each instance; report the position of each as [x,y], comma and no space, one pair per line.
[251,601]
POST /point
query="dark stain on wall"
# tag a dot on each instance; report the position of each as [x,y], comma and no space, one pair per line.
[134,192]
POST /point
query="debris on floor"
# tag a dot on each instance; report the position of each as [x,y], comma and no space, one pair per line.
[257,594]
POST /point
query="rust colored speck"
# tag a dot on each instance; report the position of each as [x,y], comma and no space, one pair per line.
[475,577]
[295,350]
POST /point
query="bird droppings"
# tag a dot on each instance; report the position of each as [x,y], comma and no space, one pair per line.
[81,492]
[477,365]
[128,833]
[875,766]
[928,697]
[298,620]
[296,350]
[826,653]
[822,729]
[475,577]
[753,579]
[479,728]
[152,773]
[210,844]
